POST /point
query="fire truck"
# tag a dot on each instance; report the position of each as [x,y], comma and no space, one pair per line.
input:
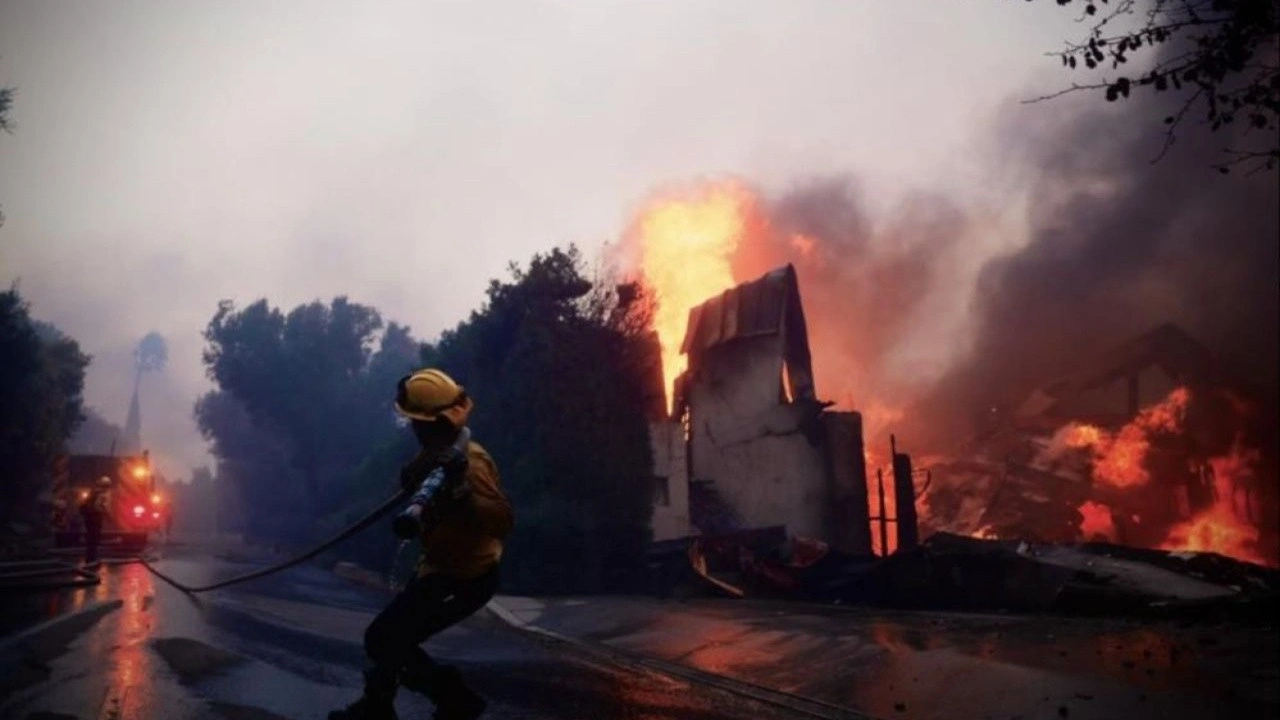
[136,512]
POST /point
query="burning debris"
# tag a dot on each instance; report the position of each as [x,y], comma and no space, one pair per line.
[1176,473]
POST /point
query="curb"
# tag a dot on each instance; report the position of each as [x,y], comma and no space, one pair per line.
[794,703]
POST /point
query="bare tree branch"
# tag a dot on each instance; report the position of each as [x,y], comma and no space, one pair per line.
[1215,52]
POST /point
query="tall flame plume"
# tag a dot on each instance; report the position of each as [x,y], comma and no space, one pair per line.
[686,243]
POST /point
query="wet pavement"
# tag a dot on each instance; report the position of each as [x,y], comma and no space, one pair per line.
[939,666]
[288,647]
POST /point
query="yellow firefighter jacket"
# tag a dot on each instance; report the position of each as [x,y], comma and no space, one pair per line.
[467,543]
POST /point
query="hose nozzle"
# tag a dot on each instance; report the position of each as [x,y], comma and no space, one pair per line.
[409,522]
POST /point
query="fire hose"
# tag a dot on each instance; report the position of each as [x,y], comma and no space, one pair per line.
[407,524]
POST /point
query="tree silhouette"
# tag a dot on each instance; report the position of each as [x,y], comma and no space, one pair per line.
[149,355]
[560,366]
[1219,57]
[152,353]
[40,404]
[6,102]
[303,397]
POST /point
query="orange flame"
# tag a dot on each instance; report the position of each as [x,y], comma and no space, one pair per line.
[686,243]
[1079,435]
[1118,458]
[1224,527]
[986,532]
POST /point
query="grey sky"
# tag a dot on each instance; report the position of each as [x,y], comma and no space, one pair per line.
[170,154]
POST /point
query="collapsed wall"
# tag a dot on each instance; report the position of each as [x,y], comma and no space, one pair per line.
[751,445]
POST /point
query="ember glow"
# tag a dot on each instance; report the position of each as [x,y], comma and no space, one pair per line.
[1225,527]
[1097,521]
[986,532]
[686,243]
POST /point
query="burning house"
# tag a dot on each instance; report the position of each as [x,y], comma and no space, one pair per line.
[1149,451]
[749,445]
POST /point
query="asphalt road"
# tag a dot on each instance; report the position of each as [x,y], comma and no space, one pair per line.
[288,647]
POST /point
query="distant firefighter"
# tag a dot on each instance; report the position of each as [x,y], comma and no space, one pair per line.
[94,510]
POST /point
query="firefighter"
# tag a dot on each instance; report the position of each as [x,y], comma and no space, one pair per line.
[457,573]
[94,511]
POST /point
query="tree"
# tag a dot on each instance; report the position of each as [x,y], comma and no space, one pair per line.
[149,355]
[1219,57]
[260,490]
[194,503]
[6,102]
[40,404]
[562,371]
[553,361]
[302,399]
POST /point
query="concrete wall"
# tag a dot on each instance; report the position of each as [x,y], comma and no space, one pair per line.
[670,520]
[751,446]
[848,520]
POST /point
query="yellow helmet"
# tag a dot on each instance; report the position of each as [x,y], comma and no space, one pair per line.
[430,394]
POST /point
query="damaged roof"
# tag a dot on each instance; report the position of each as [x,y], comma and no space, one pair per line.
[768,305]
[751,309]
[1167,347]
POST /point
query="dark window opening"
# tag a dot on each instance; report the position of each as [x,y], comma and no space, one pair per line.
[661,491]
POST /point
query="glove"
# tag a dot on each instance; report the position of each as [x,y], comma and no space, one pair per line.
[456,492]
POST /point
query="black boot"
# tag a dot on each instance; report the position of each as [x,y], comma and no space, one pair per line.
[443,685]
[376,702]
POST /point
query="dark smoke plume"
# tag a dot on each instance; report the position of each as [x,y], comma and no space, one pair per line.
[864,284]
[1119,245]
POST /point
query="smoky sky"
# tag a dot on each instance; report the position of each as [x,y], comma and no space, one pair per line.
[168,155]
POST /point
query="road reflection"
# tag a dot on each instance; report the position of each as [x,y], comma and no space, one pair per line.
[130,670]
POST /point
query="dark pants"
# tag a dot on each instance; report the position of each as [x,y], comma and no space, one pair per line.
[92,536]
[426,606]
